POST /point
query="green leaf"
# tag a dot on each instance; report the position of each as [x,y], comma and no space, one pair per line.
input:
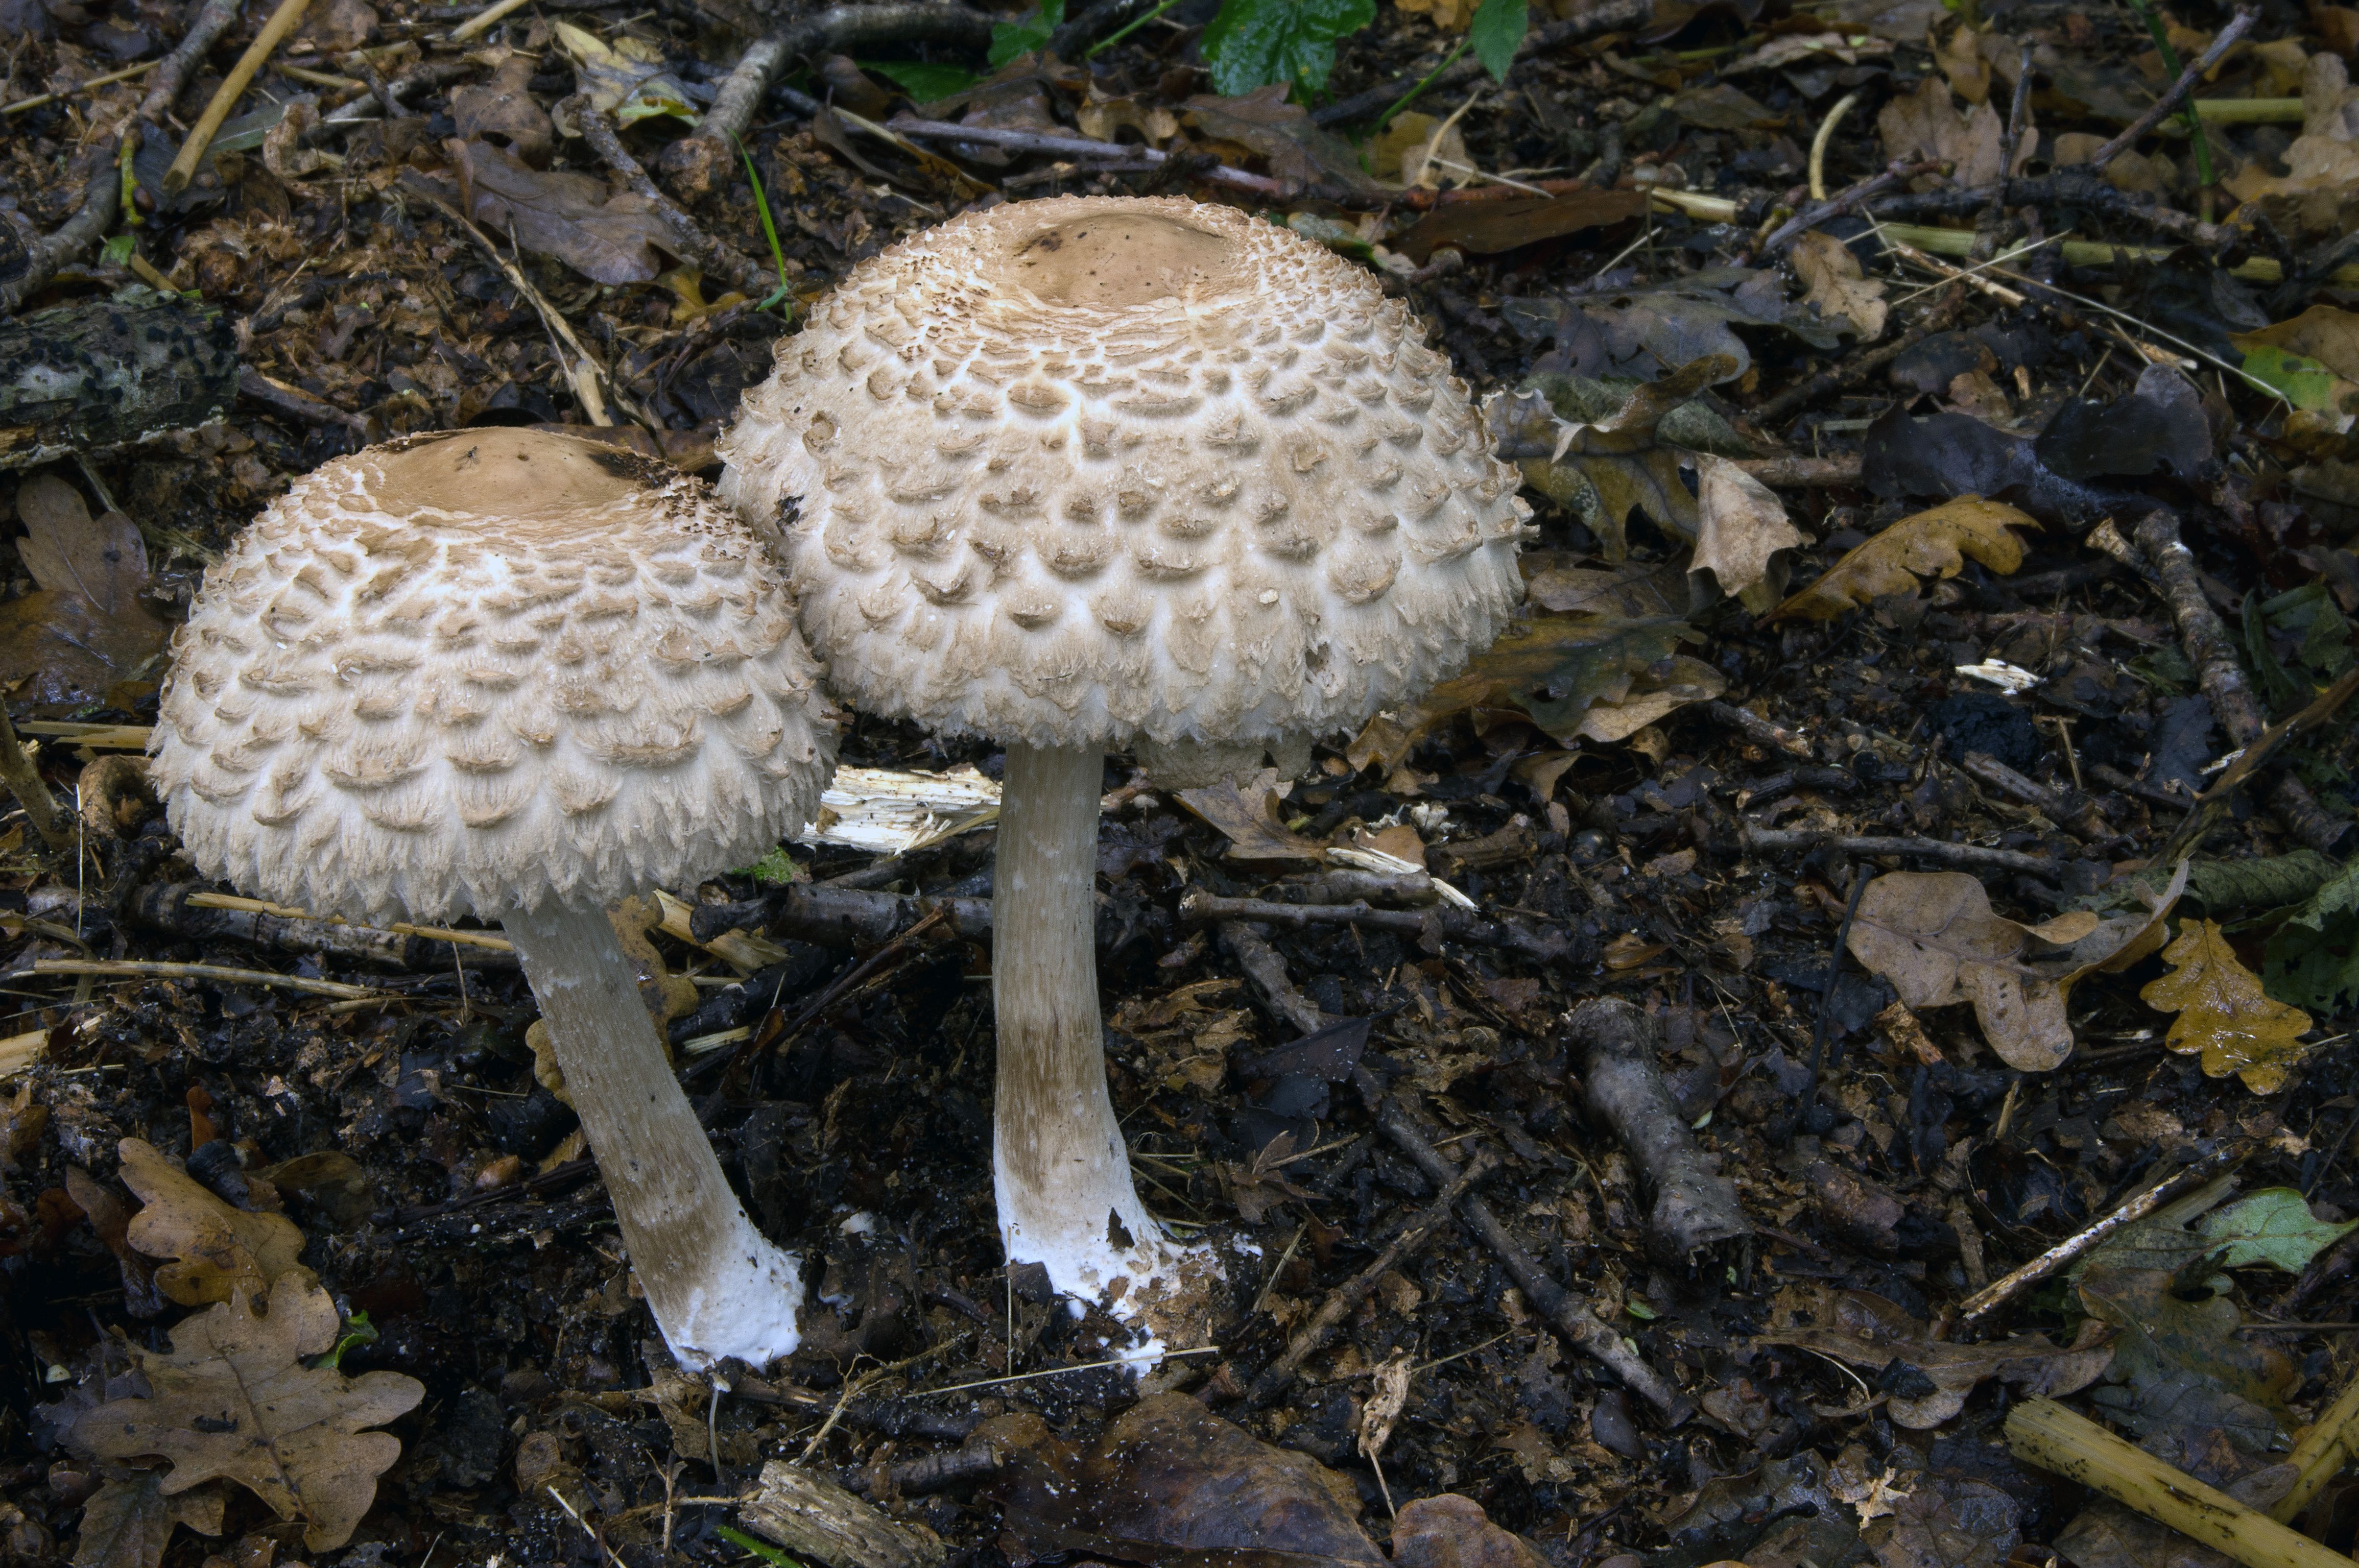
[925,82]
[1497,32]
[2313,960]
[2299,379]
[1253,43]
[120,248]
[1009,39]
[358,1331]
[2280,689]
[2273,1226]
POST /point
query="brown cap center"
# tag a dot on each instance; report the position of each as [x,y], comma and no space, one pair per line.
[1118,259]
[552,484]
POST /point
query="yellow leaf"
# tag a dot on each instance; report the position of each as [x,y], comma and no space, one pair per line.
[1930,543]
[219,1250]
[2224,1012]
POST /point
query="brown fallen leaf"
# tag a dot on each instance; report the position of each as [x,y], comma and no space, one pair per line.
[1171,1484]
[1925,124]
[2224,1013]
[86,626]
[1935,937]
[235,1401]
[1248,813]
[1451,1531]
[1741,527]
[1866,1330]
[1837,285]
[1486,228]
[1295,146]
[501,111]
[128,1522]
[606,237]
[1929,544]
[218,1251]
[1604,469]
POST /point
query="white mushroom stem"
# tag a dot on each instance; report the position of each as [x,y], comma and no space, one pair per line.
[1059,1165]
[716,1287]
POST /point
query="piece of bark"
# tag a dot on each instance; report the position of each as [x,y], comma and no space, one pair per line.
[817,1520]
[1695,1207]
[85,378]
[165,907]
[1249,945]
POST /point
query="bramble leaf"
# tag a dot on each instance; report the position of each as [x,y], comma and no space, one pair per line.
[1253,43]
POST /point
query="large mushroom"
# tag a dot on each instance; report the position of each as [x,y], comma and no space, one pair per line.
[1088,473]
[521,676]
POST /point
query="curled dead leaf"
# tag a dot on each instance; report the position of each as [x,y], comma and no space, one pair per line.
[1837,285]
[1741,527]
[1935,543]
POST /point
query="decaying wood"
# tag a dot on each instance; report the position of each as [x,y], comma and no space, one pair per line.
[1695,1207]
[87,378]
[166,907]
[1249,945]
[817,1520]
[101,196]
[204,31]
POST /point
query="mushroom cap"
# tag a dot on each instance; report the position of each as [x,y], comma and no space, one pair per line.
[484,670]
[1079,471]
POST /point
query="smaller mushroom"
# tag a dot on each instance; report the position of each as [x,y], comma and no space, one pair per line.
[517,675]
[1088,473]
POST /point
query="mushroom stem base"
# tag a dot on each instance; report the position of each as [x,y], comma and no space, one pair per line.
[1059,1165]
[716,1287]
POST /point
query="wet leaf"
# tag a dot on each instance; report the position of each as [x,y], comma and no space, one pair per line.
[626,78]
[1741,527]
[1248,813]
[217,1249]
[126,1523]
[1929,544]
[1258,43]
[1607,468]
[607,237]
[2323,334]
[2224,1013]
[233,1400]
[1486,228]
[2273,1226]
[1451,1531]
[1598,676]
[86,625]
[1837,287]
[1171,1484]
[1864,1330]
[2312,959]
[2303,381]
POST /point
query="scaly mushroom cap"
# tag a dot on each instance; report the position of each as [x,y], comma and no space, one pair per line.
[481,670]
[1079,471]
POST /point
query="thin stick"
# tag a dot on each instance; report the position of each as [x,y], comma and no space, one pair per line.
[2320,1454]
[484,939]
[2005,1288]
[2046,1435]
[1773,839]
[484,20]
[109,80]
[24,781]
[1818,213]
[1344,1297]
[217,18]
[1058,1372]
[1819,144]
[130,969]
[282,22]
[2164,106]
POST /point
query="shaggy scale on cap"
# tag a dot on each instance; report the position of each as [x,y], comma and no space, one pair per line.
[481,671]
[1079,471]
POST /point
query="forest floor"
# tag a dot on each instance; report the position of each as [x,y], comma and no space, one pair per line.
[1929,719]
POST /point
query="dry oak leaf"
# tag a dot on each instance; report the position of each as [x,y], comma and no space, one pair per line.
[1929,544]
[235,1401]
[1247,814]
[2222,1012]
[86,626]
[1837,285]
[1866,1330]
[1742,527]
[218,1250]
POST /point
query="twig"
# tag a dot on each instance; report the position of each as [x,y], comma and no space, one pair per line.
[1057,1372]
[50,820]
[1266,970]
[1754,728]
[1571,1313]
[1842,202]
[1078,147]
[1859,367]
[698,162]
[24,104]
[1776,839]
[2018,115]
[130,969]
[2007,1286]
[1607,17]
[2222,675]
[1803,1108]
[282,22]
[1819,144]
[483,21]
[2322,1452]
[296,403]
[100,199]
[1201,908]
[1692,1205]
[717,258]
[2164,106]
[2045,1433]
[1343,1298]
